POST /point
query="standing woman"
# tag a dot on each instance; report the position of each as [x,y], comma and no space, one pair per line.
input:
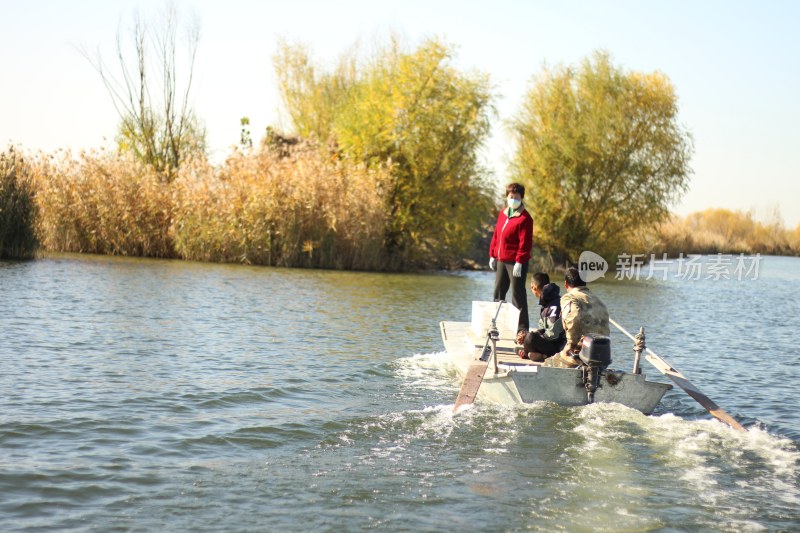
[510,252]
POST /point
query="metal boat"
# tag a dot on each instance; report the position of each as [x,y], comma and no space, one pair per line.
[511,379]
[490,339]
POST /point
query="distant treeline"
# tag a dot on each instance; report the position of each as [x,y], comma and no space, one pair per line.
[714,231]
[381,171]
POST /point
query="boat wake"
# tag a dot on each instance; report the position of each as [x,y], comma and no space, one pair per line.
[705,453]
[428,370]
[701,449]
[701,461]
[560,467]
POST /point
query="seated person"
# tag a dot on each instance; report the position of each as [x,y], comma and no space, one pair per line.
[549,338]
[582,313]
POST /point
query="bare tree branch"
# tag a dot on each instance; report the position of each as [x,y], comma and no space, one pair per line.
[157,122]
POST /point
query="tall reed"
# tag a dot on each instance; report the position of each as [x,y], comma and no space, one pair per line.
[17,206]
[103,203]
[267,207]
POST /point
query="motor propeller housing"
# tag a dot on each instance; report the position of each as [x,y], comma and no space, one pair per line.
[595,354]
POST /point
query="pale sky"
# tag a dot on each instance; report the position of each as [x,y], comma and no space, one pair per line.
[735,65]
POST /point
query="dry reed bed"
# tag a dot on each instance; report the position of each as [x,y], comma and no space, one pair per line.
[307,209]
[304,209]
[102,203]
[715,231]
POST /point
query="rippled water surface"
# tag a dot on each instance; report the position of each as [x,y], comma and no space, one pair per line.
[170,396]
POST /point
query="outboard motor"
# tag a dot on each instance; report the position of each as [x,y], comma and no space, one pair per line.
[595,354]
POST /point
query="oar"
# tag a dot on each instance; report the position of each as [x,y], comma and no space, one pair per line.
[680,380]
[472,382]
[476,371]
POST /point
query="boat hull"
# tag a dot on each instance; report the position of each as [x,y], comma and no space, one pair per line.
[564,386]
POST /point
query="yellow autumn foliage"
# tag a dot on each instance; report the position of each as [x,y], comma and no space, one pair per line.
[412,110]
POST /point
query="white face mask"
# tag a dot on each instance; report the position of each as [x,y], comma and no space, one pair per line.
[513,203]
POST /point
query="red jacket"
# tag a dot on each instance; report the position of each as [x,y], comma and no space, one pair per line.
[513,237]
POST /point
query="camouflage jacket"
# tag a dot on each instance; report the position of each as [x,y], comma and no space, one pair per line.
[581,313]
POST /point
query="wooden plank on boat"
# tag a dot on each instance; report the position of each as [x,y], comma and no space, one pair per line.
[472,382]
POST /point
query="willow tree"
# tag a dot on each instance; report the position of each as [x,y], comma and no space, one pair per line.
[603,154]
[313,97]
[412,110]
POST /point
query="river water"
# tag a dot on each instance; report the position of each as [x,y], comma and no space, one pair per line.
[142,395]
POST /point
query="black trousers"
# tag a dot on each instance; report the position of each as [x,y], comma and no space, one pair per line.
[519,295]
[534,342]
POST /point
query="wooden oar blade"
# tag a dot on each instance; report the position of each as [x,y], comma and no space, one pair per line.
[680,380]
[472,382]
[715,410]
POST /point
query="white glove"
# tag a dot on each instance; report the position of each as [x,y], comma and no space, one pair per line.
[492,263]
[517,270]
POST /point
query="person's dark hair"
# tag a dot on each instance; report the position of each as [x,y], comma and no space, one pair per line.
[540,279]
[573,277]
[516,188]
